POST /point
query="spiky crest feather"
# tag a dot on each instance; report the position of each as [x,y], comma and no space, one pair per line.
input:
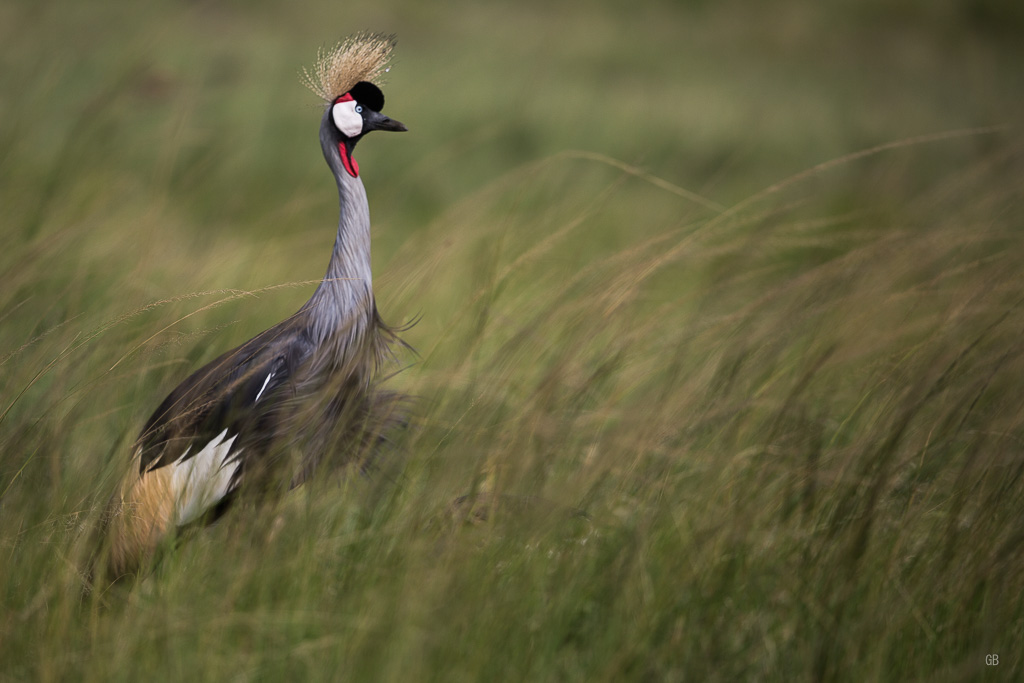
[360,57]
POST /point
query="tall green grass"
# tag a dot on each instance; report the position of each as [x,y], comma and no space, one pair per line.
[770,442]
[666,430]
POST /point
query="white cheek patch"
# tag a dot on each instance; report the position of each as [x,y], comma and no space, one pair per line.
[346,119]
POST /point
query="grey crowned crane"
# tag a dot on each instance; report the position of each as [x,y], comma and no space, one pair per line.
[303,385]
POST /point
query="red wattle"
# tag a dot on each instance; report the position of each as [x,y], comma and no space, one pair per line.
[347,161]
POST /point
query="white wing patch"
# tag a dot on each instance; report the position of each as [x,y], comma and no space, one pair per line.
[203,480]
[265,383]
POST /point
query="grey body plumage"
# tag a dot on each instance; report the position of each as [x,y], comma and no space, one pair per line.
[337,333]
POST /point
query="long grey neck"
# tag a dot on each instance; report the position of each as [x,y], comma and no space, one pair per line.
[342,306]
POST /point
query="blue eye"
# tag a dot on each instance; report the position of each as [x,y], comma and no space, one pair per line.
[359,109]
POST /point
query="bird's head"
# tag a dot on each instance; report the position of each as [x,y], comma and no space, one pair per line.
[353,115]
[345,77]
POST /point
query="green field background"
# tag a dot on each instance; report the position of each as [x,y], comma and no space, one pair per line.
[719,338]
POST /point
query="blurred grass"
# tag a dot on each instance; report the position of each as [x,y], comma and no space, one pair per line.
[752,433]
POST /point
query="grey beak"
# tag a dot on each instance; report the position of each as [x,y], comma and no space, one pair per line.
[377,121]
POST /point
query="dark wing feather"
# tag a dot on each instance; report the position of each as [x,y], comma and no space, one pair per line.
[222,395]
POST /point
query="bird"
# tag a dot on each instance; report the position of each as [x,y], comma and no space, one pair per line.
[304,385]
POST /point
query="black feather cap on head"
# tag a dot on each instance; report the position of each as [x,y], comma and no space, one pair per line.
[367,93]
